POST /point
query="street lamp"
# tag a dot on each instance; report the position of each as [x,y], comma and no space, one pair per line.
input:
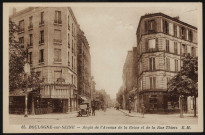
[27,71]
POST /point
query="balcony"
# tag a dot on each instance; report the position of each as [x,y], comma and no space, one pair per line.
[21,30]
[41,23]
[57,22]
[57,41]
[30,27]
[57,60]
[41,61]
[152,50]
[30,45]
[41,42]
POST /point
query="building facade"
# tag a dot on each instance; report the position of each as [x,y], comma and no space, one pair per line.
[127,78]
[162,42]
[50,35]
[84,67]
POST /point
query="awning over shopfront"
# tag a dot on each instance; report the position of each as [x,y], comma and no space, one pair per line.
[18,92]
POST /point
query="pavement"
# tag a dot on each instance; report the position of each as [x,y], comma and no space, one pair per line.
[132,114]
[48,116]
[110,116]
[136,114]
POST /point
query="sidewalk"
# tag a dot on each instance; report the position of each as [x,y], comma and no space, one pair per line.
[135,114]
[132,114]
[48,116]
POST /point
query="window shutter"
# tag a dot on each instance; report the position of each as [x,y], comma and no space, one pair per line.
[154,26]
[146,45]
[154,82]
[146,26]
[163,21]
[150,82]
[153,63]
[150,63]
[157,43]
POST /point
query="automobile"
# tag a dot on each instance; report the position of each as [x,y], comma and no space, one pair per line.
[84,109]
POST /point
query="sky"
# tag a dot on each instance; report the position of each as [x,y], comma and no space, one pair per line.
[111,32]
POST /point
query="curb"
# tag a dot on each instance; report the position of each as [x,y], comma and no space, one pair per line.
[128,114]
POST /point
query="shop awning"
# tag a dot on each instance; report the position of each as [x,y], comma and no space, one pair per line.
[83,98]
[18,92]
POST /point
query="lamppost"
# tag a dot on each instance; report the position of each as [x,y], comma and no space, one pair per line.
[27,71]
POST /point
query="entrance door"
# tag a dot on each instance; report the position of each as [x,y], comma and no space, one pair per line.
[57,105]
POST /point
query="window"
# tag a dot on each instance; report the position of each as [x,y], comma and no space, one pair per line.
[57,55]
[30,23]
[152,64]
[58,17]
[30,39]
[41,36]
[165,27]
[72,62]
[42,18]
[175,47]
[57,36]
[72,29]
[151,26]
[168,64]
[167,45]
[21,40]
[152,82]
[41,57]
[68,59]
[176,65]
[21,26]
[175,30]
[57,74]
[193,52]
[152,43]
[68,22]
[183,35]
[30,57]
[72,46]
[183,49]
[153,102]
[168,79]
[190,36]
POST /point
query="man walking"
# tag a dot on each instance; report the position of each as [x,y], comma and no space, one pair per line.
[93,107]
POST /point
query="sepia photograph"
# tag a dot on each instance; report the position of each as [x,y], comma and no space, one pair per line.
[102,67]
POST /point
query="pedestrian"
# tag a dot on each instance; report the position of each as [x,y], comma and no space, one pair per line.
[93,110]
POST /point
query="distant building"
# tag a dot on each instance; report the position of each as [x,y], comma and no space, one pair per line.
[162,42]
[127,78]
[84,66]
[50,35]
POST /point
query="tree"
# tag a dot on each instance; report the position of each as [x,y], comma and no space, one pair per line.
[17,60]
[185,83]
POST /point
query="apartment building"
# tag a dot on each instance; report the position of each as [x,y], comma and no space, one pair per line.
[50,35]
[162,42]
[84,67]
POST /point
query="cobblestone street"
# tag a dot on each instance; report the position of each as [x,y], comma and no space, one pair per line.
[111,116]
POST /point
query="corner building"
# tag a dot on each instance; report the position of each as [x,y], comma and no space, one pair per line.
[50,36]
[162,42]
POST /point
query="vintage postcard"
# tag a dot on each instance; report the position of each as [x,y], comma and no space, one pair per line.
[102,67]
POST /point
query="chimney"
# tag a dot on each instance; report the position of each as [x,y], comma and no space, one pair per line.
[14,11]
[177,17]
